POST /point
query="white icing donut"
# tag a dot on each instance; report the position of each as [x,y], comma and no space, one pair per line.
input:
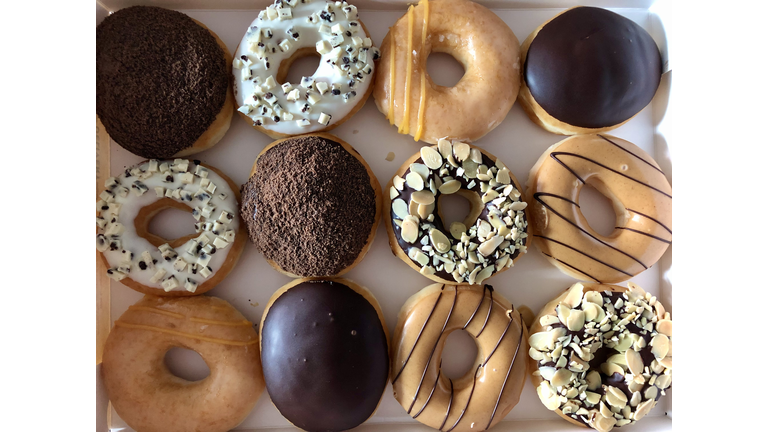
[330,29]
[134,197]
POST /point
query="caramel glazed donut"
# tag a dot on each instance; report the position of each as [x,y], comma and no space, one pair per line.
[311,206]
[163,85]
[150,398]
[482,397]
[325,351]
[630,178]
[150,264]
[474,36]
[286,31]
[602,354]
[491,238]
[588,70]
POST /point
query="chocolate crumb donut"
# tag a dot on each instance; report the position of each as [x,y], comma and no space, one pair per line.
[162,82]
[588,70]
[325,353]
[311,205]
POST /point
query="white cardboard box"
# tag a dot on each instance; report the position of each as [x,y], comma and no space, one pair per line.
[517,142]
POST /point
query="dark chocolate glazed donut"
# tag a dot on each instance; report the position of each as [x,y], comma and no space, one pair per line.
[325,355]
[592,68]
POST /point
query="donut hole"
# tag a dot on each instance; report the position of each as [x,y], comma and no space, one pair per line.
[459,354]
[302,63]
[444,69]
[598,208]
[463,206]
[172,223]
[186,364]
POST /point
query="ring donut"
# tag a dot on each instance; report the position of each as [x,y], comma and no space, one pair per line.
[601,355]
[588,70]
[482,397]
[490,239]
[474,36]
[311,206]
[150,398]
[325,351]
[286,31]
[630,178]
[150,264]
[163,86]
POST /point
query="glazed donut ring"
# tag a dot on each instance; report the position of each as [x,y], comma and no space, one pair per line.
[335,205]
[150,264]
[474,36]
[493,386]
[291,29]
[630,178]
[490,239]
[588,70]
[325,351]
[144,392]
[143,55]
[626,331]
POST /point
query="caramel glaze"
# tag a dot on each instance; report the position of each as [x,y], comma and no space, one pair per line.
[592,68]
[490,390]
[640,193]
[325,356]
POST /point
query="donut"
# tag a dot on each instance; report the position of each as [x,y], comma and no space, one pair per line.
[162,82]
[150,398]
[601,355]
[630,178]
[588,70]
[489,240]
[325,352]
[151,264]
[311,206]
[291,29]
[489,390]
[476,38]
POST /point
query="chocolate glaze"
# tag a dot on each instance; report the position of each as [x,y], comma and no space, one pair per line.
[405,195]
[592,68]
[325,357]
[603,353]
[161,80]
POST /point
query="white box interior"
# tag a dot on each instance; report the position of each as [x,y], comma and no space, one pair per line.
[518,142]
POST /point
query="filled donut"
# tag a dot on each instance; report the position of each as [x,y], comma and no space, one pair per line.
[291,29]
[489,240]
[588,70]
[150,398]
[476,38]
[602,354]
[311,206]
[325,353]
[162,82]
[630,178]
[492,387]
[150,264]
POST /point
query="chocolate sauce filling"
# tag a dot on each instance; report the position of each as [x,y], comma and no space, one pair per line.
[309,207]
[161,79]
[592,68]
[324,355]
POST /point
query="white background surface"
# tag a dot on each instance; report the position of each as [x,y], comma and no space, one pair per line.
[517,142]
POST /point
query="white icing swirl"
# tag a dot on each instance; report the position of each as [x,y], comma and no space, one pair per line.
[346,68]
[129,255]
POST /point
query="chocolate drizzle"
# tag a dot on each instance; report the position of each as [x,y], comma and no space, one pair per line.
[477,369]
[592,68]
[324,355]
[161,80]
[540,198]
